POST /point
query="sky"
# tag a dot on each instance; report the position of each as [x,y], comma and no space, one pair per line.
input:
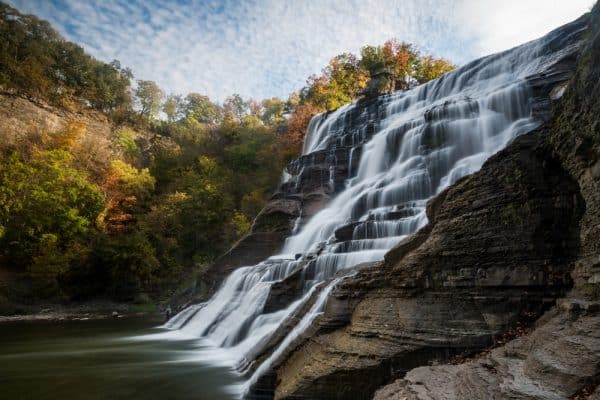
[265,48]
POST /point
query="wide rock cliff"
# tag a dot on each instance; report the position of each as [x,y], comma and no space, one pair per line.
[560,357]
[510,244]
[474,260]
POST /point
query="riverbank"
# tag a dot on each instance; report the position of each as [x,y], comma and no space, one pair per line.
[93,310]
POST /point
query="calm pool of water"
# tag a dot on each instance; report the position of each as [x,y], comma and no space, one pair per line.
[103,359]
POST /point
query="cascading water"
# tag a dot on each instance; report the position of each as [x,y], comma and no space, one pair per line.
[425,140]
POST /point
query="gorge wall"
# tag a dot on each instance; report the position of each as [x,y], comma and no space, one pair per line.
[501,247]
[468,270]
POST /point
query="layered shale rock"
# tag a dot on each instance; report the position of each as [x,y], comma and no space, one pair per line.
[554,362]
[488,254]
[561,358]
[498,249]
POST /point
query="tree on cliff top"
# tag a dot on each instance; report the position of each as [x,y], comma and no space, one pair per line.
[380,69]
[149,96]
[37,61]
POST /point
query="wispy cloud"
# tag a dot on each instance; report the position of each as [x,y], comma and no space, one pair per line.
[265,48]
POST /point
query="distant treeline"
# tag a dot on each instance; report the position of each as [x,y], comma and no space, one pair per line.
[180,180]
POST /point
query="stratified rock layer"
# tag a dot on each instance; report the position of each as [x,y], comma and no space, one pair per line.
[501,247]
[497,249]
[560,359]
[554,362]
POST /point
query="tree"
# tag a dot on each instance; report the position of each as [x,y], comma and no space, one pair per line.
[297,125]
[199,107]
[372,59]
[149,97]
[235,107]
[341,81]
[37,61]
[127,262]
[399,66]
[272,111]
[131,181]
[124,141]
[44,203]
[429,68]
[172,107]
[400,60]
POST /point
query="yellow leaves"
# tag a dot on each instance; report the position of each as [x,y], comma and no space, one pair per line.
[124,141]
[177,198]
[430,68]
[341,81]
[130,180]
[297,124]
[66,138]
[240,223]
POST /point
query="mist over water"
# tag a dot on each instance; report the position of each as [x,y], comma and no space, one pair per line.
[425,140]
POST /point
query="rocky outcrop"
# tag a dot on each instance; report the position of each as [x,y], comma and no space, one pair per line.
[501,247]
[497,250]
[267,234]
[556,361]
[25,119]
[20,117]
[560,358]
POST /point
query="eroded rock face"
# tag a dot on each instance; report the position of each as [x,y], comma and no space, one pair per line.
[502,244]
[560,359]
[20,116]
[269,230]
[498,247]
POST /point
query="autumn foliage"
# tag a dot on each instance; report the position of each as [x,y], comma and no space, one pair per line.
[178,181]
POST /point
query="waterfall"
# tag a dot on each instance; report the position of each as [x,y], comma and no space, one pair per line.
[425,140]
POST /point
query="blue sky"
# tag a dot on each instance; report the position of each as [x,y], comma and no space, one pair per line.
[264,48]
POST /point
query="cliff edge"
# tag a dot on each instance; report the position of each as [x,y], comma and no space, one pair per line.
[509,264]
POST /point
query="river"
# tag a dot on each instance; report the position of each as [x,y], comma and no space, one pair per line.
[103,359]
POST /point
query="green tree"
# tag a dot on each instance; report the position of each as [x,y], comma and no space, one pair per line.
[235,107]
[199,107]
[341,81]
[35,60]
[172,107]
[149,97]
[272,111]
[127,263]
[132,181]
[124,141]
[429,68]
[45,206]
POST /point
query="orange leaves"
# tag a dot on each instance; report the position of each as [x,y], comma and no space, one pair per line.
[297,124]
[398,54]
[125,185]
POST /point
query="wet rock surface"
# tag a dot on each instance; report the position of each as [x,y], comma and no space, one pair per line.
[498,245]
[519,238]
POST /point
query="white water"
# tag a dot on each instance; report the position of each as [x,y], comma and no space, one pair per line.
[428,138]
